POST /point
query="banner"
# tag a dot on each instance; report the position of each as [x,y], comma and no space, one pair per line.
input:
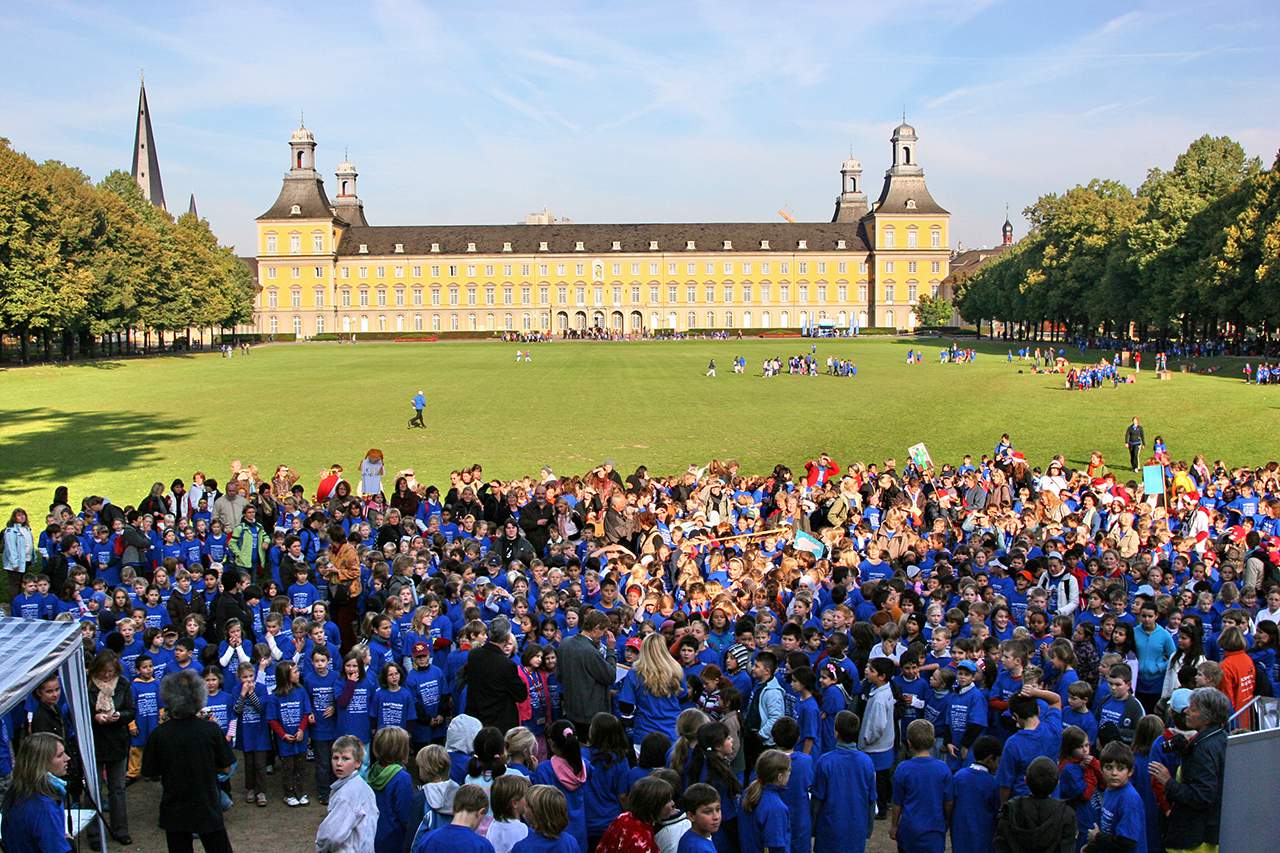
[805,542]
[1153,479]
[920,456]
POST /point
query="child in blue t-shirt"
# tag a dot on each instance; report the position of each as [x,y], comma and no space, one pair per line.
[547,808]
[321,684]
[147,705]
[922,795]
[976,799]
[28,604]
[252,732]
[914,692]
[302,593]
[289,714]
[764,825]
[460,835]
[1078,713]
[392,704]
[1122,821]
[786,735]
[843,792]
[702,805]
[804,684]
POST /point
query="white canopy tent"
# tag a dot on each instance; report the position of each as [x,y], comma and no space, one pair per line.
[30,651]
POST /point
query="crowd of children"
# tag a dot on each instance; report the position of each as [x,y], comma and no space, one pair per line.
[943,661]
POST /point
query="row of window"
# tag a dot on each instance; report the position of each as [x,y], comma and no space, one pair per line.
[454,294]
[529,322]
[295,243]
[889,237]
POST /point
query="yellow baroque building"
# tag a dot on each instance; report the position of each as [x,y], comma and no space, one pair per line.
[322,268]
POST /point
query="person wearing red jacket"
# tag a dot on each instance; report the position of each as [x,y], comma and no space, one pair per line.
[820,471]
[1238,672]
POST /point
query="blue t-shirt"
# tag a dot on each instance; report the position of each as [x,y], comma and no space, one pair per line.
[536,842]
[1125,713]
[391,708]
[545,774]
[303,595]
[322,690]
[922,788]
[252,729]
[652,713]
[844,784]
[289,711]
[976,799]
[796,797]
[809,718]
[430,690]
[1025,746]
[1122,815]
[453,839]
[768,826]
[147,704]
[692,842]
[219,707]
[605,785]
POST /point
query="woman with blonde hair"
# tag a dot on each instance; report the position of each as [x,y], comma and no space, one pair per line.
[652,691]
[33,810]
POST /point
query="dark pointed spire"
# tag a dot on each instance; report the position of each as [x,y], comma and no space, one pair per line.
[146,166]
[191,208]
[1006,231]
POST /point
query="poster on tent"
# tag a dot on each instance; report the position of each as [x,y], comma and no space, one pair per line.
[919,454]
[1153,483]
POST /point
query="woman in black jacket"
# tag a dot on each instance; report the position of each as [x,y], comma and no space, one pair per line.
[112,703]
[1195,797]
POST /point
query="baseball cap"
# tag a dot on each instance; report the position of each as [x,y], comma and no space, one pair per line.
[1145,589]
[421,648]
[968,665]
[633,644]
[1180,699]
[1025,574]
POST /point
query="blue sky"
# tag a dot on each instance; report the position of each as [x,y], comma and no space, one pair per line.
[633,112]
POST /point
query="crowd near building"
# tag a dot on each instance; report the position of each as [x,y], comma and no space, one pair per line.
[322,268]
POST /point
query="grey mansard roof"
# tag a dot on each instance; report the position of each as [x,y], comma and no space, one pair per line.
[599,239]
[305,189]
[898,188]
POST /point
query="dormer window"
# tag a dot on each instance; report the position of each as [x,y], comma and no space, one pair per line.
[364,248]
[617,245]
[578,247]
[911,204]
[435,247]
[728,244]
[542,246]
[653,245]
[840,244]
[471,247]
[764,244]
[689,246]
[399,249]
[506,247]
[296,210]
[803,244]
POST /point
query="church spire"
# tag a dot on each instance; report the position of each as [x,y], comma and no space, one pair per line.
[1006,231]
[191,208]
[146,166]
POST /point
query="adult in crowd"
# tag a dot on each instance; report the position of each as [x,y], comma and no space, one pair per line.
[650,696]
[494,685]
[1134,439]
[535,519]
[1195,794]
[19,548]
[34,819]
[230,604]
[186,753]
[343,576]
[229,508]
[511,545]
[586,673]
[111,700]
[249,542]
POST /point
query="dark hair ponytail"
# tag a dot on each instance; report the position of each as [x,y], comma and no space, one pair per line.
[706,759]
[488,752]
[564,741]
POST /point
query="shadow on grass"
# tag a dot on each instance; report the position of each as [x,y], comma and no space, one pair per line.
[48,448]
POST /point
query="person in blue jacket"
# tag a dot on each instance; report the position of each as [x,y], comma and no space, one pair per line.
[844,792]
[321,682]
[34,821]
[764,825]
[399,802]
[921,795]
[461,835]
[976,799]
[566,771]
[786,736]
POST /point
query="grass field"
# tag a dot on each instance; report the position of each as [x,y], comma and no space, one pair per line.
[113,428]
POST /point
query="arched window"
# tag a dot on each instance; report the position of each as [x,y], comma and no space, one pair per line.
[301,160]
[746,319]
[888,237]
[417,322]
[435,322]
[888,319]
[766,320]
[906,155]
[785,320]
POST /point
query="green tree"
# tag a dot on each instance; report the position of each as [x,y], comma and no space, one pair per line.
[933,311]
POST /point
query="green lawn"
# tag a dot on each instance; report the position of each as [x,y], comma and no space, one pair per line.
[115,427]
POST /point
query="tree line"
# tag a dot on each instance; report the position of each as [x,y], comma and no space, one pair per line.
[1193,254]
[96,269]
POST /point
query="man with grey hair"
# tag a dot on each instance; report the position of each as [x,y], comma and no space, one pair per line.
[1195,796]
[186,753]
[494,685]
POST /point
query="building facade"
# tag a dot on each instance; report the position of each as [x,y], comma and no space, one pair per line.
[322,268]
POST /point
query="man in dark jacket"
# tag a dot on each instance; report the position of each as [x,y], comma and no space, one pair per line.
[230,605]
[1195,798]
[535,520]
[585,674]
[1038,823]
[494,687]
[512,546]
